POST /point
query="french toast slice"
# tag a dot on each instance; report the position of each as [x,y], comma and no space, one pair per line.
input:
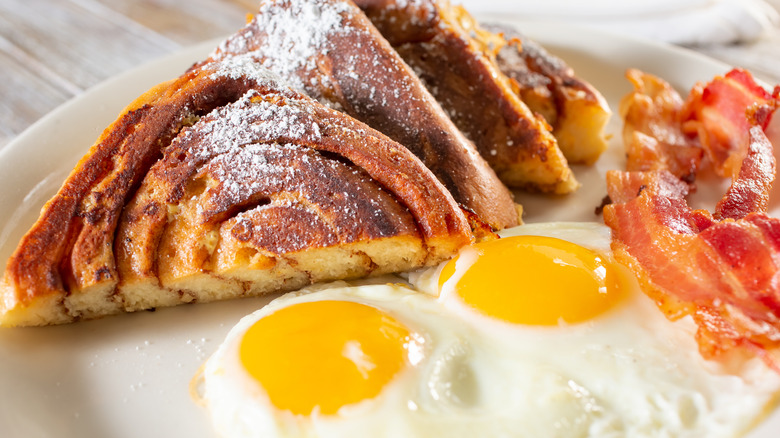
[574,108]
[330,50]
[455,58]
[226,183]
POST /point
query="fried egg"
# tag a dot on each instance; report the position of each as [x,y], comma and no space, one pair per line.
[539,333]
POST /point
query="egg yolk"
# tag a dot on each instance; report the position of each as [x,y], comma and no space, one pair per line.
[536,281]
[324,354]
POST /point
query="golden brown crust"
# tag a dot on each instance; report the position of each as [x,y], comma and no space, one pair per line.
[339,57]
[372,213]
[70,246]
[166,163]
[455,59]
[574,108]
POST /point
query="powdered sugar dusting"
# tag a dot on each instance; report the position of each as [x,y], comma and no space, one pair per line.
[325,49]
[246,66]
[294,188]
[254,146]
[295,176]
[295,33]
[245,171]
[298,31]
[401,4]
[251,120]
[236,141]
[238,43]
[420,12]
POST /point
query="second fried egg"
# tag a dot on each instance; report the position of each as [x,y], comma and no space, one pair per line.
[523,336]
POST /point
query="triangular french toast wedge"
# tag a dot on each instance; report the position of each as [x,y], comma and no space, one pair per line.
[331,51]
[226,183]
[455,58]
[574,108]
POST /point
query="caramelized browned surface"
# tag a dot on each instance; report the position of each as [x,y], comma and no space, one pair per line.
[70,247]
[227,175]
[455,59]
[333,52]
[577,112]
[283,179]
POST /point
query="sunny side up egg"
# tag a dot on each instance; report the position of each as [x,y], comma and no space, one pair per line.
[537,334]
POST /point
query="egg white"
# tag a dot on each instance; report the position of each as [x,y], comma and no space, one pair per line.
[627,373]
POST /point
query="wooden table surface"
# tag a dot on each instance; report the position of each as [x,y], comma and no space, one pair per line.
[52,50]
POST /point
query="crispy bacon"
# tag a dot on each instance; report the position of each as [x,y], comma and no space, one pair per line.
[652,130]
[723,270]
[715,113]
[749,191]
[661,131]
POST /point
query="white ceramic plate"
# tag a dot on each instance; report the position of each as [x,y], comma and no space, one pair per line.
[128,376]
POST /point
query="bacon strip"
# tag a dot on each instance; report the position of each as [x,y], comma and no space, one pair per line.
[725,274]
[661,131]
[652,130]
[715,113]
[723,270]
[749,191]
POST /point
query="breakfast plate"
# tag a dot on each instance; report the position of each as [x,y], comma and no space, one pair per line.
[130,375]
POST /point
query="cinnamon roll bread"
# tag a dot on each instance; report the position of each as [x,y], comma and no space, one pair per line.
[455,58]
[575,109]
[226,183]
[330,50]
